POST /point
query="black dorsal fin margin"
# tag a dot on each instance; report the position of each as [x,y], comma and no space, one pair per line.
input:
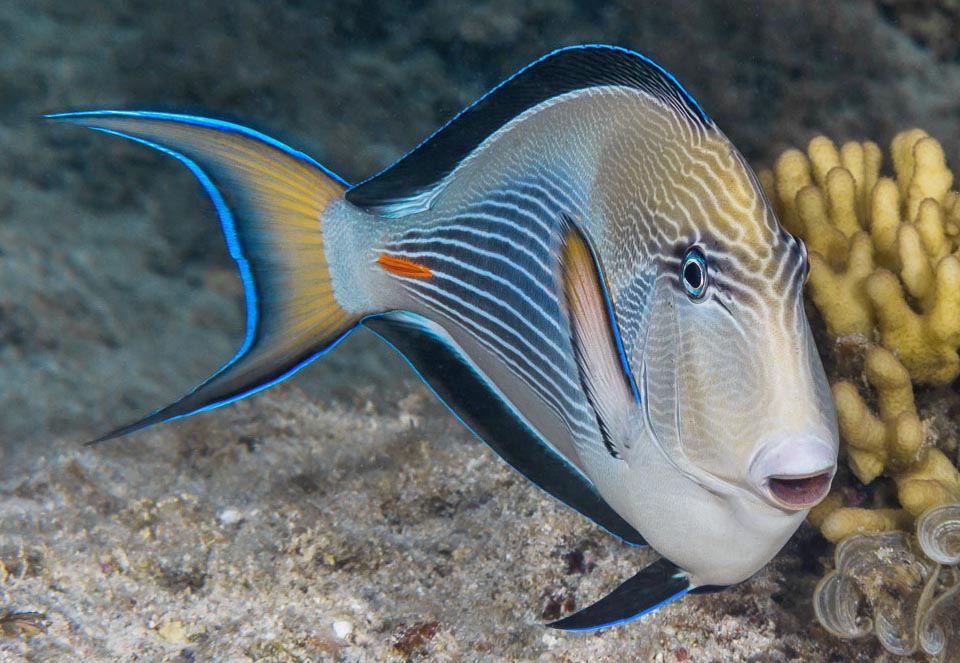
[565,70]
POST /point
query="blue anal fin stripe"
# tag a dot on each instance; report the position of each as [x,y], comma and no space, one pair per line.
[462,389]
[654,585]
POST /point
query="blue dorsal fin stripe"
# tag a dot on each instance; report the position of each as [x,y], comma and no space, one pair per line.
[470,398]
[564,70]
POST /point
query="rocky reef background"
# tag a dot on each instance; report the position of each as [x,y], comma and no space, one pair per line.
[345,516]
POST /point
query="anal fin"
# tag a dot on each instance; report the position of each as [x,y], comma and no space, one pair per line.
[463,389]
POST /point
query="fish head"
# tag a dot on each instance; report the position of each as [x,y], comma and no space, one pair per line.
[736,391]
[736,436]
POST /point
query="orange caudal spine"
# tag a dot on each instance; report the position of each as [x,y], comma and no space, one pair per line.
[403,267]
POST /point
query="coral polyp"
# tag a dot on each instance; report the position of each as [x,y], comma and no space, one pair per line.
[883,261]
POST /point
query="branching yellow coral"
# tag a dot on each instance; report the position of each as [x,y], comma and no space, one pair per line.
[884,252]
[892,440]
[889,443]
[839,292]
[884,270]
[925,342]
[932,481]
[842,522]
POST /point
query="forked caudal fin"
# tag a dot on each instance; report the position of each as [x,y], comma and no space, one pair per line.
[269,199]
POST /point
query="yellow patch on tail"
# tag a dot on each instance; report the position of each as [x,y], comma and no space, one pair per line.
[270,200]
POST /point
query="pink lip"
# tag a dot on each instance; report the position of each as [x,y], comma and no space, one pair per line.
[800,491]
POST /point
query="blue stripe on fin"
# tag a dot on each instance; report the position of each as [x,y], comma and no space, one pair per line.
[186,406]
[562,71]
[432,354]
[653,586]
[575,233]
[269,199]
[83,118]
[594,334]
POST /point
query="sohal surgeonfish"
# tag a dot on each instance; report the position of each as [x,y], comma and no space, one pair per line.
[584,269]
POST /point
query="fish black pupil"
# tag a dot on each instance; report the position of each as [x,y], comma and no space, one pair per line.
[693,274]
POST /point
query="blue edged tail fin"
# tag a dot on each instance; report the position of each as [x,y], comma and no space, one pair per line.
[269,199]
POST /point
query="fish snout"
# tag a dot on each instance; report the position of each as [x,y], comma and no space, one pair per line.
[794,471]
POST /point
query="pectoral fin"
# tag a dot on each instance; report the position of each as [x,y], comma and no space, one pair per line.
[659,583]
[601,362]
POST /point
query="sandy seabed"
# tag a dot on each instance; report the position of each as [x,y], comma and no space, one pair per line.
[278,530]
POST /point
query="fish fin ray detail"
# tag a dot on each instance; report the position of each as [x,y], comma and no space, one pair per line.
[406,185]
[269,199]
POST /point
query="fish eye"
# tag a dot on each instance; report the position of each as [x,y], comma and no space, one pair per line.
[693,273]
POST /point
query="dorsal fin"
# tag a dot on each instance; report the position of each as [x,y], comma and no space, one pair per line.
[562,71]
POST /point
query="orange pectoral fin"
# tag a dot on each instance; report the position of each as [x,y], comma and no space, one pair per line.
[403,267]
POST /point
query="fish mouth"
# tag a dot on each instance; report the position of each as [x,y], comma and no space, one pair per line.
[800,491]
[793,471]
